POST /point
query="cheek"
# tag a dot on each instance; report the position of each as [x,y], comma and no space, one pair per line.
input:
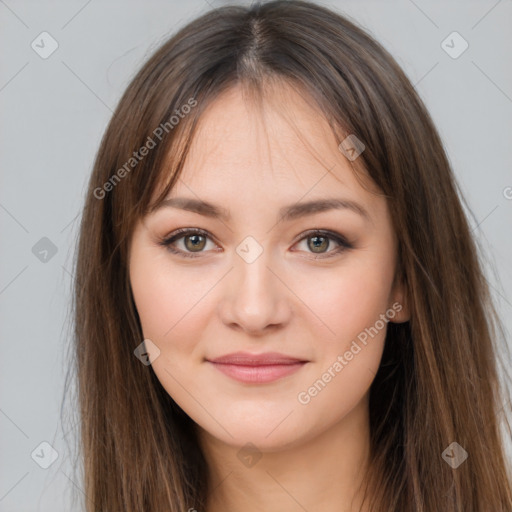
[353,302]
[342,383]
[172,310]
[348,360]
[349,299]
[167,300]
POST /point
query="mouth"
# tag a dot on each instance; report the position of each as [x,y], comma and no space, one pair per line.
[257,368]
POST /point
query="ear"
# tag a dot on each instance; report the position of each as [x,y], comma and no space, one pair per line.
[398,301]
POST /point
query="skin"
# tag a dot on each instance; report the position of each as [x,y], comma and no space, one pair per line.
[290,300]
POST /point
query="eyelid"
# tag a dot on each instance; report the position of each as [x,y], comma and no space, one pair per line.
[187,231]
[320,231]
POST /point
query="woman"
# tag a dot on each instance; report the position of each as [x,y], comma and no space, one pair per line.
[279,305]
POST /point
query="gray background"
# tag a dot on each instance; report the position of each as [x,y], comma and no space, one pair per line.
[54,112]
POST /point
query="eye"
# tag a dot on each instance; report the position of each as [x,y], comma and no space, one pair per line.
[317,241]
[195,240]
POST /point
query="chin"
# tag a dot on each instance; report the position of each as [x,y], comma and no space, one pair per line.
[269,427]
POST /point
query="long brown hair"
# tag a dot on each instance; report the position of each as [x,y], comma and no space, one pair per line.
[439,381]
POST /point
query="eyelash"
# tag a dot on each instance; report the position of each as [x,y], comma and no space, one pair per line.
[182,233]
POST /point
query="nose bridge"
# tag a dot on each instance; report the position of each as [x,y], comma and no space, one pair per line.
[252,270]
[257,296]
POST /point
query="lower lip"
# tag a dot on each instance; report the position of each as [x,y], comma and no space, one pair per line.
[258,374]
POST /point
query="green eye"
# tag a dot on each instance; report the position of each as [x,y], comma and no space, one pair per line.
[194,241]
[318,242]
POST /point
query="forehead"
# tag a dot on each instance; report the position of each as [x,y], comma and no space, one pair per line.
[281,149]
[281,132]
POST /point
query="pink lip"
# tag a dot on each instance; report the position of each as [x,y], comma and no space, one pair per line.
[257,368]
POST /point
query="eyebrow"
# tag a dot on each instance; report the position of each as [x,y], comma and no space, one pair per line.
[286,213]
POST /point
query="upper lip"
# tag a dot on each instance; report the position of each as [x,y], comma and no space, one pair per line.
[264,359]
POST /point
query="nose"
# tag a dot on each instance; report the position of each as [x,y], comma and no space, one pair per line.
[256,299]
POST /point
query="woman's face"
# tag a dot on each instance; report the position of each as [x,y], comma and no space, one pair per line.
[304,313]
